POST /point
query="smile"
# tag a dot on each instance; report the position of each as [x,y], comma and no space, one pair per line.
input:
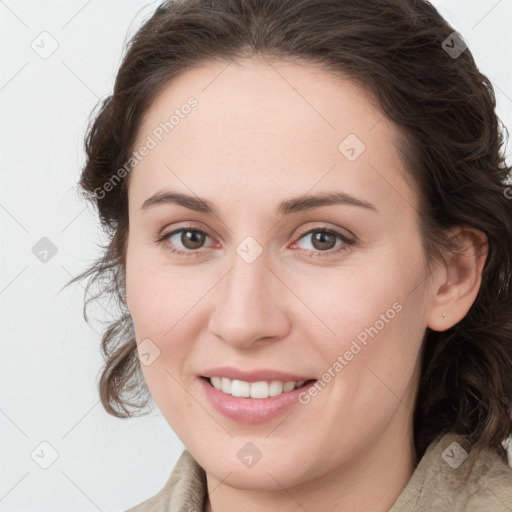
[261,389]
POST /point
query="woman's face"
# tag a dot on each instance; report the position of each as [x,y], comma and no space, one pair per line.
[270,286]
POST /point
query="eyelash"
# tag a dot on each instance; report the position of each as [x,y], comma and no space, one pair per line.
[347,241]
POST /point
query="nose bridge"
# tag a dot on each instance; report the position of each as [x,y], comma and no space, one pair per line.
[250,306]
[247,282]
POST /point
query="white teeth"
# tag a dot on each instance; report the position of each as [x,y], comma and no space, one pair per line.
[262,389]
[240,388]
[275,387]
[216,382]
[258,389]
[226,385]
[288,386]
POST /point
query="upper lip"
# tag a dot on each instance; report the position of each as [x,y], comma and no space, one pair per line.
[253,375]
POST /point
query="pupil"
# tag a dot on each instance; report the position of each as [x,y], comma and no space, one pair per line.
[320,237]
[192,239]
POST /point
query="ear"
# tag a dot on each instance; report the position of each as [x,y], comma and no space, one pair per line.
[457,280]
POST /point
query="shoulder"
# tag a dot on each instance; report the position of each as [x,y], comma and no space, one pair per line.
[451,477]
[184,491]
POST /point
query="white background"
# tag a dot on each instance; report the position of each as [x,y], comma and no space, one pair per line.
[50,357]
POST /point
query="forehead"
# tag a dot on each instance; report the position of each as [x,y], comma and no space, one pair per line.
[255,122]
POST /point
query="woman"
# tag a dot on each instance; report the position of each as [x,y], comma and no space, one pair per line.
[311,246]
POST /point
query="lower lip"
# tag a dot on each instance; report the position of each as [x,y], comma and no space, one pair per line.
[251,410]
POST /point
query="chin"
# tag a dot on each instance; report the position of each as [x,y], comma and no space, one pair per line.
[269,473]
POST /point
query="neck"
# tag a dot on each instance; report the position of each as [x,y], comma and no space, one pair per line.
[372,483]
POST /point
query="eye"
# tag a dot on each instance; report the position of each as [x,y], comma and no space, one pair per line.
[190,238]
[324,239]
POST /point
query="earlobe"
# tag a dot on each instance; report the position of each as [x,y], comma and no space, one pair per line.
[458,280]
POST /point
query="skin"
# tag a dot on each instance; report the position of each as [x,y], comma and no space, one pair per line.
[263,133]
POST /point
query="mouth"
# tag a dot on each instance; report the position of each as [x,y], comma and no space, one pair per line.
[261,397]
[255,390]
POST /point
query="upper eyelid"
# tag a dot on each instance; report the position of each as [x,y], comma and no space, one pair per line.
[338,231]
[309,227]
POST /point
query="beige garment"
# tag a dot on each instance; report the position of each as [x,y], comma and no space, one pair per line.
[447,478]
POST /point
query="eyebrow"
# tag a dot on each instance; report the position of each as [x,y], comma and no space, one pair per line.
[287,207]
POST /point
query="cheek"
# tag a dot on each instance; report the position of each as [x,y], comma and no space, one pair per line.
[350,302]
[156,291]
[165,306]
[373,321]
[161,307]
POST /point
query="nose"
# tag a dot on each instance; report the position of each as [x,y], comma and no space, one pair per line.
[251,305]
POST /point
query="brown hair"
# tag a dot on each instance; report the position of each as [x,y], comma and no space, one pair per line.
[445,110]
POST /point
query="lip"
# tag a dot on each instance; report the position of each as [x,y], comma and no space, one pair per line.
[252,410]
[253,375]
